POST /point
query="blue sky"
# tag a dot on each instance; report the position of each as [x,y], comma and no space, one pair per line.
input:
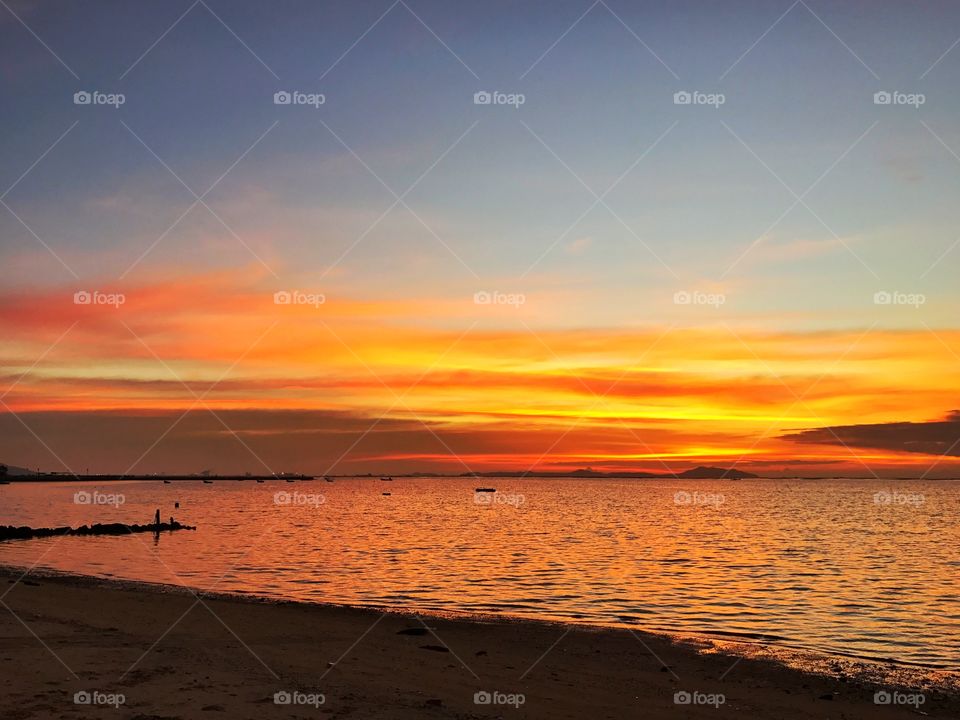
[798,93]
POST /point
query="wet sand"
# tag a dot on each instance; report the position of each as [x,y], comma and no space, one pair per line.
[161,653]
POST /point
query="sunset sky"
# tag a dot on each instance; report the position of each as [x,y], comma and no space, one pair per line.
[589,216]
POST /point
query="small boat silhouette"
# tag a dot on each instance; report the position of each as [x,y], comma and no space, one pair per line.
[259,480]
[166,482]
[388,479]
[485,490]
[208,482]
[328,478]
[384,493]
[290,480]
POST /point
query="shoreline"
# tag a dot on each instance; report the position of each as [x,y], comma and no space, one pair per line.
[782,649]
[397,666]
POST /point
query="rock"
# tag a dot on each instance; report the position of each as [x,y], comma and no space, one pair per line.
[10,532]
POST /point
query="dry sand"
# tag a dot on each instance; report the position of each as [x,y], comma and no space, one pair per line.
[171,655]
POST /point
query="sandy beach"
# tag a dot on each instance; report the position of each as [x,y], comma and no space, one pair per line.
[159,653]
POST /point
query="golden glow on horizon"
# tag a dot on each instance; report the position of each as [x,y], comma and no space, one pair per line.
[603,397]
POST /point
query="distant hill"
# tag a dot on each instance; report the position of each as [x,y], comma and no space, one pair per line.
[697,473]
[14,470]
[704,472]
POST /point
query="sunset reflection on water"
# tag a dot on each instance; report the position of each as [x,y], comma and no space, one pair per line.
[840,566]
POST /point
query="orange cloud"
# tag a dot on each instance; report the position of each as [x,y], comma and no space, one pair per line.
[499,394]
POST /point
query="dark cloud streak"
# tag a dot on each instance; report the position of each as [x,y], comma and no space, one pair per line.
[938,437]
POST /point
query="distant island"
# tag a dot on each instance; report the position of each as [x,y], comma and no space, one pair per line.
[18,474]
[702,472]
[10,473]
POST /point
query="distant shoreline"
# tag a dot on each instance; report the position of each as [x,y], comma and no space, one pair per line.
[69,477]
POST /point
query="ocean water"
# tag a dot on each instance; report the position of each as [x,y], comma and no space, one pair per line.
[849,567]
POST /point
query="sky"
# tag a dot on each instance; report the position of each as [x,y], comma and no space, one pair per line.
[388,274]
